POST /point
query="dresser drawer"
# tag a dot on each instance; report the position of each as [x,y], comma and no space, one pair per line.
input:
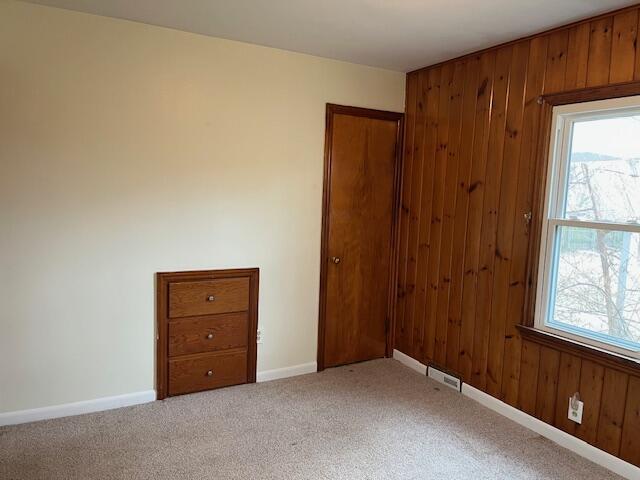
[207,322]
[208,370]
[206,297]
[208,334]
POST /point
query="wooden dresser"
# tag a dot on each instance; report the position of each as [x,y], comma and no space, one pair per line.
[207,325]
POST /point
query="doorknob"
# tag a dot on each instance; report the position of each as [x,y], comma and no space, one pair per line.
[335,260]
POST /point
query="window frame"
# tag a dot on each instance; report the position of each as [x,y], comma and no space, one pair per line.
[563,116]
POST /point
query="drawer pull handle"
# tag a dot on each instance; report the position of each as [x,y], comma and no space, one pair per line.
[210,373]
[210,298]
[210,336]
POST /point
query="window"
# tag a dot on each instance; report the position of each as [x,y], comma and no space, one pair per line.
[589,274]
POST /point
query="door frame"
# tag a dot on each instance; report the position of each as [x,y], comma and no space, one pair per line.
[331,110]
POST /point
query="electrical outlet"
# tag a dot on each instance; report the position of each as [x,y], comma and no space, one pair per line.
[259,336]
[575,410]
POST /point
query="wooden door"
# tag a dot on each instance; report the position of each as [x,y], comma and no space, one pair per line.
[359,217]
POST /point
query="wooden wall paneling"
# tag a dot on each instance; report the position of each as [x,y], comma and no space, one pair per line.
[555,72]
[473,281]
[517,275]
[506,217]
[623,48]
[599,52]
[429,152]
[630,444]
[547,384]
[490,216]
[529,377]
[600,356]
[556,61]
[465,156]
[591,380]
[410,115]
[474,222]
[568,384]
[448,213]
[577,57]
[554,78]
[614,395]
[415,205]
[428,314]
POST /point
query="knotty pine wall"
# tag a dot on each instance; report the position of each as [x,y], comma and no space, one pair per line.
[471,129]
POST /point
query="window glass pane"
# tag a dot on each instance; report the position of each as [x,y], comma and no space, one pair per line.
[604,171]
[595,288]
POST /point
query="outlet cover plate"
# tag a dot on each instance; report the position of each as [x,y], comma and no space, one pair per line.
[575,415]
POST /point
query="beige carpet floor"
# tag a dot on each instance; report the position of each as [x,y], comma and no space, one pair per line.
[374,420]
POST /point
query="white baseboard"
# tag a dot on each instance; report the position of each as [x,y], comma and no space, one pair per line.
[118,401]
[410,362]
[285,372]
[554,434]
[76,408]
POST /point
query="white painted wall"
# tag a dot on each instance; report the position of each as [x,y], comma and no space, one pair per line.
[127,149]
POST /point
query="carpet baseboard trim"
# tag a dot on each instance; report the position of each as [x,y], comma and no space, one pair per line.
[554,434]
[409,362]
[285,372]
[77,408]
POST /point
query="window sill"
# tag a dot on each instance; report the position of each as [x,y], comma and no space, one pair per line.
[613,360]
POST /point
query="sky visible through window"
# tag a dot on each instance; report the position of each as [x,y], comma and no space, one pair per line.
[616,137]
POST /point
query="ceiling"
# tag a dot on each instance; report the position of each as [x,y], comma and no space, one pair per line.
[399,35]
